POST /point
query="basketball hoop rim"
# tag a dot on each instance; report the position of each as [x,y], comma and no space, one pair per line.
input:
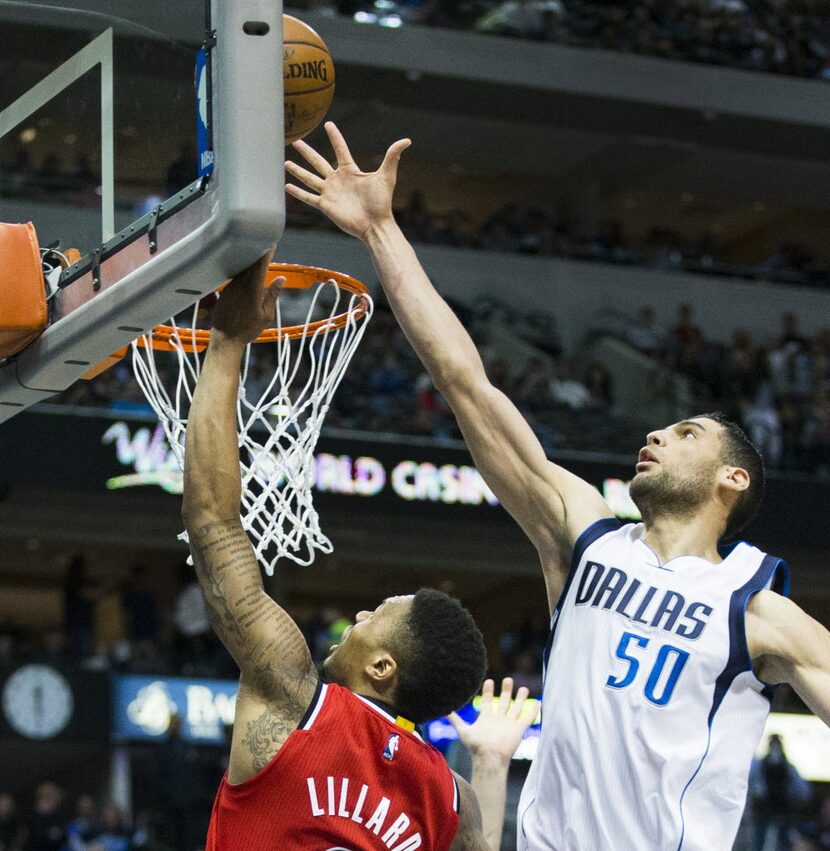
[297,276]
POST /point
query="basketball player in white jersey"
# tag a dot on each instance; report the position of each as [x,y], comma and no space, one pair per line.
[662,642]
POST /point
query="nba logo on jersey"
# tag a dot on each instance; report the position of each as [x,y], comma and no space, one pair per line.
[391,747]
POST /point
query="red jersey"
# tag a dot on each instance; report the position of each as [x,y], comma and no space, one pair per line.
[349,778]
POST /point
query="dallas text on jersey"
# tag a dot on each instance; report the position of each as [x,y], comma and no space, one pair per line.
[612,589]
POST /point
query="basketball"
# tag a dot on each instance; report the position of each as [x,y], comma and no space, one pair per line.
[308,73]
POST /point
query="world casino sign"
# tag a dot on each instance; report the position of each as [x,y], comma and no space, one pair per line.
[146,454]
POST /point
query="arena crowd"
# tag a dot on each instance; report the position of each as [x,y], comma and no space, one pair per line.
[775,36]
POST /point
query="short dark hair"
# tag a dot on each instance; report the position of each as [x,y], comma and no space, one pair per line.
[440,655]
[738,450]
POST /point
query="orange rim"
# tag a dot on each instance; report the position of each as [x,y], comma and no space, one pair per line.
[297,277]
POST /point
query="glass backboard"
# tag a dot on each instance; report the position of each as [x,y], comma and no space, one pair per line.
[99,116]
[110,128]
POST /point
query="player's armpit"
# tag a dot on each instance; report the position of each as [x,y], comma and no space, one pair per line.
[262,638]
[470,836]
[787,645]
[261,729]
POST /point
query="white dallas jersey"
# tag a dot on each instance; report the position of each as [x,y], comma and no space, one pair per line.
[651,711]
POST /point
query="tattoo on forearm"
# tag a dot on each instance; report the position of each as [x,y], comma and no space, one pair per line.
[276,661]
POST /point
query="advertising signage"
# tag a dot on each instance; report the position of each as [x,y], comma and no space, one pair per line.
[93,453]
[143,450]
[70,453]
[144,705]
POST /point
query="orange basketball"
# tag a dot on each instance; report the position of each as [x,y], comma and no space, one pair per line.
[308,75]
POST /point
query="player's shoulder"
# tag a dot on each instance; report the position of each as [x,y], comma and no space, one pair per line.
[772,624]
[770,607]
[608,530]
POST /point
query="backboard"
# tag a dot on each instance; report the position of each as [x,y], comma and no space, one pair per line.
[154,145]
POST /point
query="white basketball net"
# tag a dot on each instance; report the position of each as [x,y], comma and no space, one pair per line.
[278,431]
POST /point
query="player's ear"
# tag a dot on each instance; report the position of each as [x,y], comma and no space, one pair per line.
[735,478]
[382,670]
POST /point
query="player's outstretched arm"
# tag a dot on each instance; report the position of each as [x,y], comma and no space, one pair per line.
[492,740]
[266,644]
[788,646]
[551,505]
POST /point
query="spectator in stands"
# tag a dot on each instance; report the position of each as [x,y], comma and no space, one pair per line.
[790,367]
[140,608]
[818,432]
[10,825]
[414,218]
[147,836]
[525,18]
[44,830]
[761,422]
[114,834]
[51,176]
[84,826]
[777,793]
[451,229]
[389,383]
[110,623]
[146,651]
[565,389]
[599,385]
[333,624]
[82,176]
[790,335]
[645,335]
[792,434]
[78,609]
[741,377]
[18,174]
[180,784]
[502,231]
[526,671]
[687,340]
[433,416]
[687,334]
[191,623]
[532,386]
[818,831]
[608,244]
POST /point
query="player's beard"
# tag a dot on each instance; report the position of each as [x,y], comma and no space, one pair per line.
[665,494]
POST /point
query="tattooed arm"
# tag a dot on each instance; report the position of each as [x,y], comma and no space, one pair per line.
[278,677]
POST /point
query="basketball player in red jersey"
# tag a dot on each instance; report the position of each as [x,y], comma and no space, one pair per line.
[328,766]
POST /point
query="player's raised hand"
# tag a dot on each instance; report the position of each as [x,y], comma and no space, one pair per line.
[246,307]
[353,199]
[501,722]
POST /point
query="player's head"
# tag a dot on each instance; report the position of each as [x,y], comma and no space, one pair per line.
[704,460]
[421,653]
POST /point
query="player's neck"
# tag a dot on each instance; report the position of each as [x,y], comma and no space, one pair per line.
[671,536]
[363,687]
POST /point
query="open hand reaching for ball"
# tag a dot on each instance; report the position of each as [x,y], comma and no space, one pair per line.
[356,201]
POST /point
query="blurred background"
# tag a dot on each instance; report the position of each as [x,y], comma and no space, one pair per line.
[627,205]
